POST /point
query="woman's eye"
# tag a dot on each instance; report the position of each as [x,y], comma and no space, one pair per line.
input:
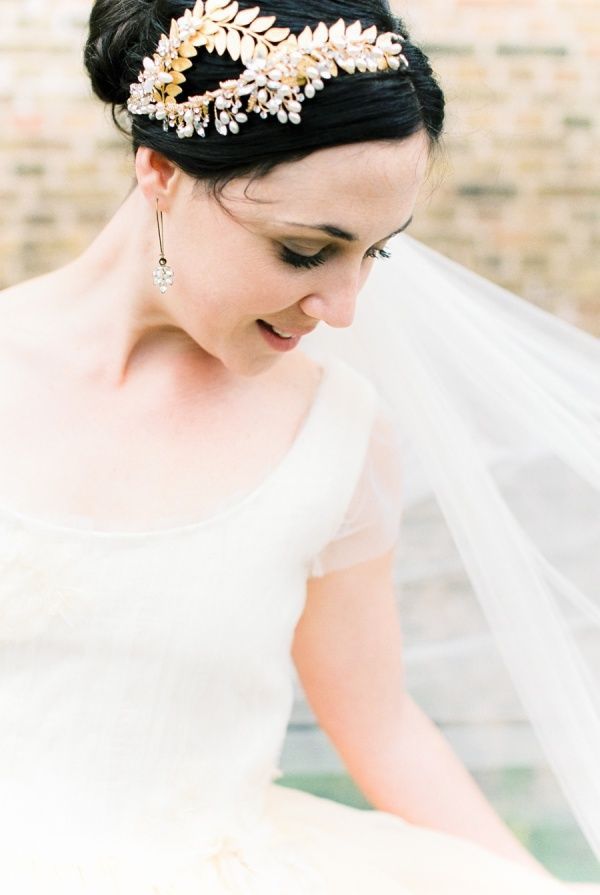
[308,261]
[378,253]
[302,260]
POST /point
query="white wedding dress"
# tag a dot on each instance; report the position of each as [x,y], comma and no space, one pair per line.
[146,686]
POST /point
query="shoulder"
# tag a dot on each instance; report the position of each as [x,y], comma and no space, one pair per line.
[21,314]
[15,321]
[19,297]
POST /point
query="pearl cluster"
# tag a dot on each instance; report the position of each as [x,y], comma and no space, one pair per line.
[273,82]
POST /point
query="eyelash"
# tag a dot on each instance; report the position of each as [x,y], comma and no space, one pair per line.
[309,261]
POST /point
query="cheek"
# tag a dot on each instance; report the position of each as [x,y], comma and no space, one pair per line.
[248,282]
[274,288]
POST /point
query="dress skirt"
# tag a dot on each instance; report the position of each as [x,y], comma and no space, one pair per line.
[315,847]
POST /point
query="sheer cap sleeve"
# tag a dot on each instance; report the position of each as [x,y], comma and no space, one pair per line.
[372,519]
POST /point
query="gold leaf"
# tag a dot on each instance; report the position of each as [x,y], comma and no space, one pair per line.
[173,90]
[305,38]
[234,44]
[225,15]
[382,64]
[187,50]
[177,77]
[354,31]
[181,64]
[337,31]
[221,41]
[210,44]
[262,24]
[213,5]
[370,34]
[247,48]
[333,69]
[321,34]
[245,16]
[275,35]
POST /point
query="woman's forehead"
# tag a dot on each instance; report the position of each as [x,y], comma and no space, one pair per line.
[352,179]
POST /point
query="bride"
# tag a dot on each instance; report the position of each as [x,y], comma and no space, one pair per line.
[146,625]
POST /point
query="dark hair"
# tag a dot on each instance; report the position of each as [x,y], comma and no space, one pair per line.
[384,105]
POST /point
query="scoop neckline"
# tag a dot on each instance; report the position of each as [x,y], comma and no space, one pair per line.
[266,483]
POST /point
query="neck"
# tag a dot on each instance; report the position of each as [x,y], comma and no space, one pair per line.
[113,313]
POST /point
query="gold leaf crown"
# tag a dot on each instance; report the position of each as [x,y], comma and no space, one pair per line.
[277,64]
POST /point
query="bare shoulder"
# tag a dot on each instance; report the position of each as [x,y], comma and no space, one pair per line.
[15,320]
[21,307]
[18,295]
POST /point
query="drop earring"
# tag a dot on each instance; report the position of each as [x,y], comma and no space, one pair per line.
[163,274]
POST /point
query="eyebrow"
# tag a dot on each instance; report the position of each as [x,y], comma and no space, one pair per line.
[338,233]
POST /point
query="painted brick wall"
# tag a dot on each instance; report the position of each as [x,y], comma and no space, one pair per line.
[517,195]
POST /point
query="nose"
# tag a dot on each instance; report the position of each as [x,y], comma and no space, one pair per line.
[335,302]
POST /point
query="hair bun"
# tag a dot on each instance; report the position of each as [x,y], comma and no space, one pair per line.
[115,30]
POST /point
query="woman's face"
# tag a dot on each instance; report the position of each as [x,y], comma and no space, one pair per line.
[265,258]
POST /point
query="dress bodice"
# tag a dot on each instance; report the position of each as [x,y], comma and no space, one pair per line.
[146,677]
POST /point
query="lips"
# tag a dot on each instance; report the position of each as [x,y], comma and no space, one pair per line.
[290,330]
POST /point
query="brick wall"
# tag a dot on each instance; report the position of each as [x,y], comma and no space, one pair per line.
[517,196]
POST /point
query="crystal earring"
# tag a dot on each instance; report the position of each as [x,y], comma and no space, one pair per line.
[163,274]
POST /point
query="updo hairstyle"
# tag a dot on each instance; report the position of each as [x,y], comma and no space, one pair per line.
[383,105]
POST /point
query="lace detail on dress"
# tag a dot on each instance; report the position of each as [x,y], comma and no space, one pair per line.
[36,582]
[257,861]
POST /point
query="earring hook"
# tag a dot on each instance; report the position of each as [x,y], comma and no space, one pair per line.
[161,229]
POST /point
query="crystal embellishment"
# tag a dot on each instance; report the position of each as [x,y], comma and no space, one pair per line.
[275,66]
[163,275]
[37,584]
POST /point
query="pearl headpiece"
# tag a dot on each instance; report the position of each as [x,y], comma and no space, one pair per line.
[277,64]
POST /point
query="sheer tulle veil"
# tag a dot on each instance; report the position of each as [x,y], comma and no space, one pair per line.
[497,409]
